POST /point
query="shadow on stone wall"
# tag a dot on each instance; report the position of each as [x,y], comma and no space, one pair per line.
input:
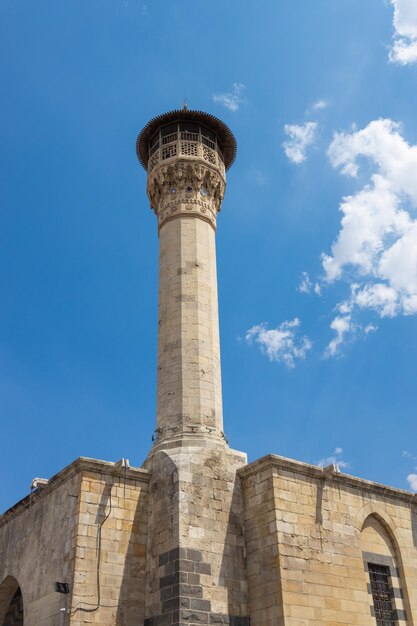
[233,573]
[104,510]
[319,502]
[166,582]
[128,534]
[414,525]
[131,608]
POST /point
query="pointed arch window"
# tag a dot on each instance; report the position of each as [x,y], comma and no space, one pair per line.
[382,573]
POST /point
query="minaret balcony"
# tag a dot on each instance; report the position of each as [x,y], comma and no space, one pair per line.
[183,144]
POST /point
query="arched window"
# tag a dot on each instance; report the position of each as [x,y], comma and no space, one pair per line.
[11,603]
[382,574]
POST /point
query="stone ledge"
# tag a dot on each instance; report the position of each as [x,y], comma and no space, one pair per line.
[282,464]
[80,465]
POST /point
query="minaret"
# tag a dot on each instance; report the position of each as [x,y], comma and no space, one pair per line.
[195,564]
[186,154]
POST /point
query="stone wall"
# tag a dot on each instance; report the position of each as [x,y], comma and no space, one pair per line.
[196,566]
[36,547]
[306,552]
[201,538]
[110,548]
[87,527]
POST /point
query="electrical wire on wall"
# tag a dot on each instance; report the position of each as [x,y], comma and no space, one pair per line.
[98,549]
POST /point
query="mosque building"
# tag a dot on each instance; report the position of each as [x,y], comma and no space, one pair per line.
[197,536]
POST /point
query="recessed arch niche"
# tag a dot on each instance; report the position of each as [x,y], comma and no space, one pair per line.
[11,603]
[382,567]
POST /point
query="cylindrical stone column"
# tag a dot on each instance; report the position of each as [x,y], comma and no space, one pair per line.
[186,154]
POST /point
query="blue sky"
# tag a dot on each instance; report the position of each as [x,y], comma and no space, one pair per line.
[317,239]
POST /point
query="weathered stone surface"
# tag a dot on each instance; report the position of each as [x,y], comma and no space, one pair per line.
[308,540]
[90,518]
[210,557]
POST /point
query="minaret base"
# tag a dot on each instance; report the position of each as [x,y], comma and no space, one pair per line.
[196,564]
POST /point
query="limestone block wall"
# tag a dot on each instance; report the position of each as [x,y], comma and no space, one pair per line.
[36,549]
[308,542]
[87,528]
[110,547]
[196,568]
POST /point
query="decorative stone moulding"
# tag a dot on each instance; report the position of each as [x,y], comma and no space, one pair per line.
[186,188]
[186,154]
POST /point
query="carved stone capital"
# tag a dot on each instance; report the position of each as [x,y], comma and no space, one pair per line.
[184,188]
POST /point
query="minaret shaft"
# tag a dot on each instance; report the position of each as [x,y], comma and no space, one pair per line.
[196,569]
[189,398]
[186,194]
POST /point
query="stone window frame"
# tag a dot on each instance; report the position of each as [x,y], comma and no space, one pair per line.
[400,616]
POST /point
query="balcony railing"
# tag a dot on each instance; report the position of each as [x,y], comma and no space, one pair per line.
[185,144]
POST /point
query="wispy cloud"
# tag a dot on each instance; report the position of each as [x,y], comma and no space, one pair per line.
[411,478]
[342,326]
[334,459]
[307,285]
[404,48]
[144,7]
[260,177]
[320,105]
[233,99]
[412,481]
[300,138]
[346,329]
[280,344]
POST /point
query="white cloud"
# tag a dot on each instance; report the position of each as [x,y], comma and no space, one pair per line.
[403,52]
[320,105]
[233,99]
[380,297]
[300,137]
[334,459]
[411,478]
[404,49]
[412,481]
[345,329]
[376,248]
[342,325]
[307,286]
[280,344]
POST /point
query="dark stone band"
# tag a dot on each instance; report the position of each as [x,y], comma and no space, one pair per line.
[181,593]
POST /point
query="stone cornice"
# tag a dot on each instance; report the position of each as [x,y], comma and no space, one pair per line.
[79,466]
[282,464]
